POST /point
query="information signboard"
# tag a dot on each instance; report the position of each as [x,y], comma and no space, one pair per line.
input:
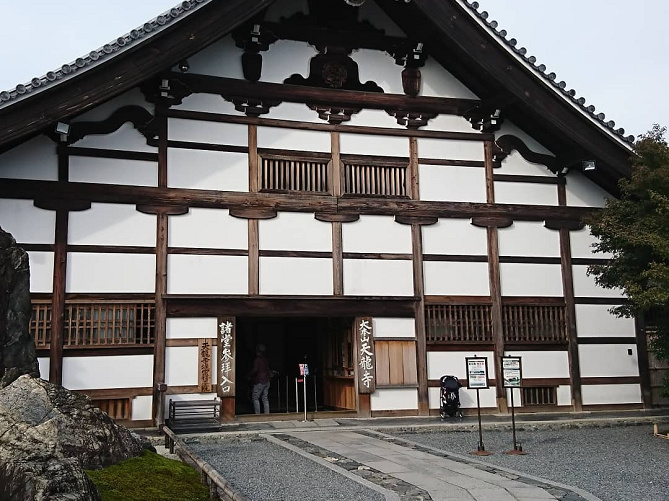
[511,372]
[477,372]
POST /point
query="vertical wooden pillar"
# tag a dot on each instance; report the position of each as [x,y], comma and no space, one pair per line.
[495,284]
[335,188]
[570,313]
[644,363]
[254,186]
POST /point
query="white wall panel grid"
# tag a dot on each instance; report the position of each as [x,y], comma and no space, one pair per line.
[608,360]
[208,228]
[192,274]
[585,286]
[516,165]
[595,320]
[581,245]
[393,399]
[438,82]
[44,366]
[444,278]
[285,58]
[127,137]
[376,234]
[117,371]
[455,237]
[450,149]
[294,139]
[141,407]
[531,279]
[582,192]
[208,103]
[111,224]
[394,327]
[27,223]
[295,231]
[203,131]
[220,59]
[564,394]
[113,171]
[452,184]
[363,144]
[543,364]
[378,277]
[184,397]
[181,365]
[189,328]
[106,272]
[41,271]
[298,276]
[452,363]
[529,238]
[207,170]
[34,159]
[467,398]
[602,394]
[379,67]
[525,193]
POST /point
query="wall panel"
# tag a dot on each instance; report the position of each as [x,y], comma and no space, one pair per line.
[585,286]
[207,170]
[525,193]
[41,271]
[452,363]
[111,224]
[608,360]
[531,279]
[529,238]
[295,231]
[293,139]
[190,274]
[106,273]
[450,149]
[119,371]
[113,171]
[602,394]
[393,327]
[361,144]
[595,320]
[34,159]
[438,82]
[220,59]
[467,398]
[543,364]
[444,278]
[192,328]
[285,275]
[516,165]
[380,68]
[141,407]
[376,277]
[455,236]
[582,192]
[376,234]
[452,184]
[127,137]
[181,365]
[202,131]
[581,245]
[44,365]
[391,399]
[27,223]
[208,228]
[284,58]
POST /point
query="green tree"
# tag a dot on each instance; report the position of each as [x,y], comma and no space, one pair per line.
[635,229]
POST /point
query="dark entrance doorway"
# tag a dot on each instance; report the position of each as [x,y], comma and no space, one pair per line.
[325,344]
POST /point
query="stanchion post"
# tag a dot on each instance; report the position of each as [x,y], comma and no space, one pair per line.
[304,392]
[481,447]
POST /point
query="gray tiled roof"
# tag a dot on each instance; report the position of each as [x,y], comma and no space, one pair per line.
[550,78]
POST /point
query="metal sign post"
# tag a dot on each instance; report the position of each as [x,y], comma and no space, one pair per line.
[304,372]
[477,378]
[512,378]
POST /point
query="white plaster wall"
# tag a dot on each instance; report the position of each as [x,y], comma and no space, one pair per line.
[393,327]
[581,245]
[183,397]
[529,238]
[208,228]
[185,328]
[605,360]
[296,112]
[450,123]
[44,366]
[393,399]
[378,277]
[111,224]
[452,363]
[114,371]
[141,407]
[584,285]
[41,271]
[543,364]
[516,165]
[517,398]
[181,365]
[220,59]
[611,394]
[189,274]
[104,272]
[456,237]
[293,139]
[467,398]
[530,279]
[202,131]
[370,11]
[364,144]
[452,184]
[207,170]
[582,192]
[208,103]
[374,118]
[525,193]
[444,278]
[295,231]
[376,234]
[34,159]
[288,275]
[450,149]
[132,97]
[594,320]
[125,138]
[564,394]
[437,81]
[27,223]
[113,171]
[379,67]
[285,58]
[509,127]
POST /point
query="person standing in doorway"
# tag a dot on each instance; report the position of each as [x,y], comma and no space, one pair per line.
[260,376]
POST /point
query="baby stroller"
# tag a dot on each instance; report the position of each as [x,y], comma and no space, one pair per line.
[450,397]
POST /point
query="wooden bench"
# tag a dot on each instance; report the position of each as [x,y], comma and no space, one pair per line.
[194,415]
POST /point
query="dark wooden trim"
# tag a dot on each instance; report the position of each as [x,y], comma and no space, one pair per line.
[422,220]
[336,217]
[376,255]
[434,383]
[303,254]
[227,408]
[464,347]
[142,156]
[120,297]
[587,261]
[395,386]
[492,222]
[455,258]
[613,301]
[168,210]
[106,393]
[533,409]
[337,259]
[254,258]
[513,178]
[419,316]
[107,351]
[611,380]
[66,205]
[364,404]
[252,213]
[508,143]
[36,247]
[529,260]
[611,407]
[349,129]
[254,171]
[398,413]
[335,170]
[451,163]
[137,115]
[554,381]
[112,249]
[139,423]
[413,175]
[458,300]
[534,301]
[180,390]
[644,362]
[196,251]
[607,340]
[412,339]
[192,145]
[58,294]
[380,160]
[179,342]
[557,224]
[536,346]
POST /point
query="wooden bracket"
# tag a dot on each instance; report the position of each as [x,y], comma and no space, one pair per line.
[337,217]
[566,224]
[492,222]
[168,210]
[252,213]
[422,220]
[56,204]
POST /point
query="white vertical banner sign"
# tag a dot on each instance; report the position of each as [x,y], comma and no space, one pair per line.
[226,357]
[366,355]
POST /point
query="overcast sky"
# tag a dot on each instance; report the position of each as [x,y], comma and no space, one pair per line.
[613,52]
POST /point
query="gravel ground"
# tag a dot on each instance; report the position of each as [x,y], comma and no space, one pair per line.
[264,471]
[615,464]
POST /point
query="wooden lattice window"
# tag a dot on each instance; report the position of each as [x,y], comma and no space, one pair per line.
[116,408]
[534,323]
[40,324]
[458,322]
[539,395]
[294,172]
[375,176]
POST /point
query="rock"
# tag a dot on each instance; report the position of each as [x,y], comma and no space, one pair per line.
[17,347]
[48,436]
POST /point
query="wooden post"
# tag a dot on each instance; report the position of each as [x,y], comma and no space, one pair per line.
[335,188]
[644,363]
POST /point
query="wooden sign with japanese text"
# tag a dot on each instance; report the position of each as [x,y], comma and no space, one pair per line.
[364,342]
[226,357]
[204,365]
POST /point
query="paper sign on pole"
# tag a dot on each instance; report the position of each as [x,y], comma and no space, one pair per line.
[477,372]
[511,372]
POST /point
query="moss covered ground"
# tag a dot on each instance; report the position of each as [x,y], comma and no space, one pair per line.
[149,477]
